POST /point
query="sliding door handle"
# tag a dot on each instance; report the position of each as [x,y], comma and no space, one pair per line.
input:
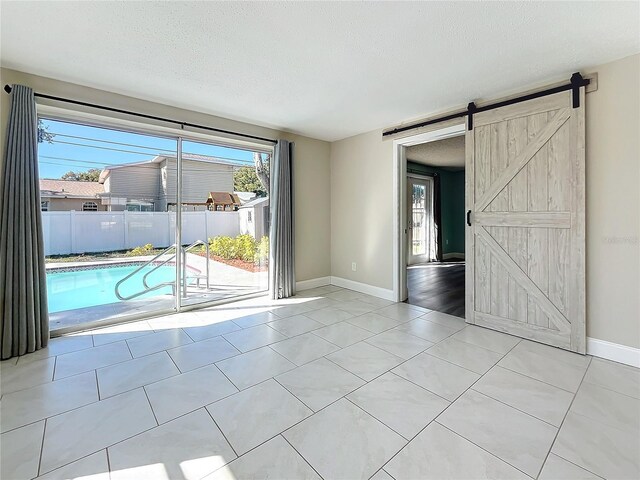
[469,217]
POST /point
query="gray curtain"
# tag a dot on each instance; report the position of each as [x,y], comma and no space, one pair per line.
[282,281]
[24,318]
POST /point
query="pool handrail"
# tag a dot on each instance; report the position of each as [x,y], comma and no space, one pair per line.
[184,263]
[117,287]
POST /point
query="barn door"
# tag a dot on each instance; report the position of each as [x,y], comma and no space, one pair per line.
[525,244]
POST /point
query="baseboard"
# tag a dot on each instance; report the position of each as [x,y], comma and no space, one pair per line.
[363,288]
[613,351]
[313,283]
[452,255]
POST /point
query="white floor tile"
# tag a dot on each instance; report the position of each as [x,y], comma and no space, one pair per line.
[93,467]
[543,401]
[304,348]
[20,452]
[188,448]
[156,342]
[445,319]
[91,359]
[189,391]
[399,404]
[609,407]
[343,334]
[254,337]
[433,332]
[402,312]
[437,453]
[364,360]
[438,376]
[399,343]
[199,354]
[86,430]
[254,367]
[329,315]
[614,376]
[356,307]
[254,319]
[60,346]
[557,468]
[543,367]
[275,459]
[374,322]
[471,357]
[319,383]
[134,373]
[42,401]
[294,325]
[256,414]
[342,441]
[117,333]
[483,337]
[515,437]
[598,448]
[211,330]
[14,377]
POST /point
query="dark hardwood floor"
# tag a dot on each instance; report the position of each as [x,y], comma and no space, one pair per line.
[437,286]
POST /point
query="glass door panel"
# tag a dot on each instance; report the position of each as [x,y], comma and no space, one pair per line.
[224,222]
[108,236]
[420,219]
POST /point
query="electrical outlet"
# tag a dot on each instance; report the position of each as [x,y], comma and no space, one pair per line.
[353,266]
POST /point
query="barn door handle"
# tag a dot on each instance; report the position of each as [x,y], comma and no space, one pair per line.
[469,217]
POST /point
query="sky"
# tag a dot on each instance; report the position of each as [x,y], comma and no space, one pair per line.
[79,148]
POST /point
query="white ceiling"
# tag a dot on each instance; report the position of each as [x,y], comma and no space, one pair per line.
[442,153]
[326,70]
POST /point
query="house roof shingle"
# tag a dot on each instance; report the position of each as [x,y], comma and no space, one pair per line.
[70,188]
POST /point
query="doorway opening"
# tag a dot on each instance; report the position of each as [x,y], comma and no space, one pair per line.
[435,225]
[430,220]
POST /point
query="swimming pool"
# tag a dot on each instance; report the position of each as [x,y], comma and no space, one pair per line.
[69,289]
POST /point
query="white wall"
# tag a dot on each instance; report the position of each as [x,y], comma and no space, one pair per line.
[361,191]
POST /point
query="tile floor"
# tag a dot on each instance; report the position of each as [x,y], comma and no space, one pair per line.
[330,384]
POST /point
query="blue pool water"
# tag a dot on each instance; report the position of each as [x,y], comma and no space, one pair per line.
[96,286]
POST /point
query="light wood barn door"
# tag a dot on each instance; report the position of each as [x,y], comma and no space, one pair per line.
[525,247]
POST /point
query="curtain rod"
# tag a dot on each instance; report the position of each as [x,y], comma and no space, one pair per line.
[576,81]
[8,88]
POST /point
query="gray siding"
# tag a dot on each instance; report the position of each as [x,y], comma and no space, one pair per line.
[134,183]
[199,178]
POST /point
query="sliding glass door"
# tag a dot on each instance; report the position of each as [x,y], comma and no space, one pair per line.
[138,224]
[224,218]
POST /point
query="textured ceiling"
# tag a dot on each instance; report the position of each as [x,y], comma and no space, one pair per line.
[443,153]
[327,70]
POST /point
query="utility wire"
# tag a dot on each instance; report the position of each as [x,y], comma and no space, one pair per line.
[111,142]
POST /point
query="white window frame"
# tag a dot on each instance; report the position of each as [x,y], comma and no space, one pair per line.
[44,205]
[89,204]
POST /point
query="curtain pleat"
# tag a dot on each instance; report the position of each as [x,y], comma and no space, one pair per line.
[282,282]
[24,318]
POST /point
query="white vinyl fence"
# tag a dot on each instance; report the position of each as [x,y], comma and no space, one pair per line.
[82,232]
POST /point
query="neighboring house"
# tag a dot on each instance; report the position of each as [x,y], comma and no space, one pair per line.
[65,195]
[254,218]
[151,186]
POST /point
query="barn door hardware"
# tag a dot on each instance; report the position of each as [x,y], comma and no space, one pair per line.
[576,81]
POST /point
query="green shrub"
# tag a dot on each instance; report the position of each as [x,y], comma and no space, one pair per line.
[245,248]
[262,253]
[224,247]
[140,251]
